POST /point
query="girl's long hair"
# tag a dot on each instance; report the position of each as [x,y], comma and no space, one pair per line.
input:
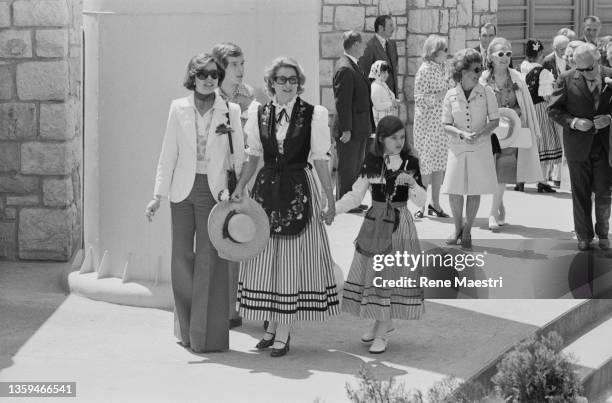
[373,162]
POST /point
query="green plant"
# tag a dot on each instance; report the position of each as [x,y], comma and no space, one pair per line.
[453,390]
[371,390]
[538,371]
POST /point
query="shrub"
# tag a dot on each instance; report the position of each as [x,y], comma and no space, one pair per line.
[538,371]
[452,390]
[371,390]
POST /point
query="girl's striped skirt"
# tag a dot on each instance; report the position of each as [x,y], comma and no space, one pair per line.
[549,145]
[362,298]
[292,279]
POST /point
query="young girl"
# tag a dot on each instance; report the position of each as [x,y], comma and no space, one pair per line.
[384,102]
[392,175]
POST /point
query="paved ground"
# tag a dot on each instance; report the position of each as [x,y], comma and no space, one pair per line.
[119,353]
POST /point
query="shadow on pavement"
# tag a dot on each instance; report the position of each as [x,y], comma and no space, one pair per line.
[29,294]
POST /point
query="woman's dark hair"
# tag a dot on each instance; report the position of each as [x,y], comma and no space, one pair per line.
[462,60]
[197,63]
[373,162]
[533,48]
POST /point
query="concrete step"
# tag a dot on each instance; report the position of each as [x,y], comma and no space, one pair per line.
[593,353]
[572,325]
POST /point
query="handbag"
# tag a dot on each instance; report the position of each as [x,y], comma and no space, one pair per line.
[418,196]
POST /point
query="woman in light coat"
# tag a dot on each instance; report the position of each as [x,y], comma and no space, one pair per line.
[192,173]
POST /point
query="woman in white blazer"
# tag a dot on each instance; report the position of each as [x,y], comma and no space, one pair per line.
[192,173]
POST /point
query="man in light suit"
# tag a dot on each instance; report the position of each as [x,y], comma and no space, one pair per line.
[555,62]
[382,47]
[354,122]
[581,103]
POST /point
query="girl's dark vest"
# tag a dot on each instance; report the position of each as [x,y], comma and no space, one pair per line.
[281,186]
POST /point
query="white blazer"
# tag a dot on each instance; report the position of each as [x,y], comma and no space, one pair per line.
[176,168]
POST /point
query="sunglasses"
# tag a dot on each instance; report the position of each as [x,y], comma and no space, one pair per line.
[281,80]
[590,68]
[204,74]
[478,70]
[502,54]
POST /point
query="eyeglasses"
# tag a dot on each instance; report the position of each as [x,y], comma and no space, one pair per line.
[281,80]
[204,74]
[590,68]
[502,54]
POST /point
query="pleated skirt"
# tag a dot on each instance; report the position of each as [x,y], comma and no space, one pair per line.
[292,279]
[365,300]
[549,145]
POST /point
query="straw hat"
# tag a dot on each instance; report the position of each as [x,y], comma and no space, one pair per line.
[507,132]
[238,230]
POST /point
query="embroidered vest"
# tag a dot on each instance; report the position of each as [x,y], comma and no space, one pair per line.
[281,186]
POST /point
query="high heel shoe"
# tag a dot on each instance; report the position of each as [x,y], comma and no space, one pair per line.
[263,343]
[545,188]
[520,187]
[439,213]
[454,238]
[279,352]
[418,214]
[493,225]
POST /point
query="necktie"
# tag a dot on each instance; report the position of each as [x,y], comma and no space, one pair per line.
[282,115]
[595,91]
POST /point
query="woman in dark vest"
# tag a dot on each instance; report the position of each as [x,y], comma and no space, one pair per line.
[292,279]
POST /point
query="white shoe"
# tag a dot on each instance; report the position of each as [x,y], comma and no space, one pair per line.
[379,346]
[493,225]
[370,336]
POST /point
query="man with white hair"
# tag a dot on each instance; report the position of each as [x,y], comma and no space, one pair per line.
[555,61]
[581,104]
[590,31]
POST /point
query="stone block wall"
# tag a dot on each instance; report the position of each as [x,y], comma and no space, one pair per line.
[40,129]
[457,20]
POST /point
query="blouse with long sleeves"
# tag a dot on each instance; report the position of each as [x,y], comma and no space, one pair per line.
[353,198]
[320,140]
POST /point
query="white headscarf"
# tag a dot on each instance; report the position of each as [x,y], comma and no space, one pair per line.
[375,72]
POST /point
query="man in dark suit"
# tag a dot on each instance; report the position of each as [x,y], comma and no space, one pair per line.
[488,31]
[382,47]
[555,62]
[581,104]
[354,122]
[590,31]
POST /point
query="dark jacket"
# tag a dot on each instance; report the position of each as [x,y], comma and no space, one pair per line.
[374,51]
[572,99]
[550,63]
[352,97]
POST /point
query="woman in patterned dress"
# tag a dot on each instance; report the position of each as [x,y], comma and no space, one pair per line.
[430,86]
[292,279]
[540,83]
[389,170]
[513,165]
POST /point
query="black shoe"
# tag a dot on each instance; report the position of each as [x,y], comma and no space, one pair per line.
[363,207]
[263,343]
[604,244]
[418,214]
[557,183]
[520,187]
[279,352]
[235,322]
[583,245]
[355,210]
[545,188]
[440,213]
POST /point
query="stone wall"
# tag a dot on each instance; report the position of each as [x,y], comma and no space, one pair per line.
[457,20]
[40,129]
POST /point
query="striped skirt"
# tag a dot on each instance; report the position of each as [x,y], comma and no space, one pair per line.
[292,279]
[549,145]
[367,301]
